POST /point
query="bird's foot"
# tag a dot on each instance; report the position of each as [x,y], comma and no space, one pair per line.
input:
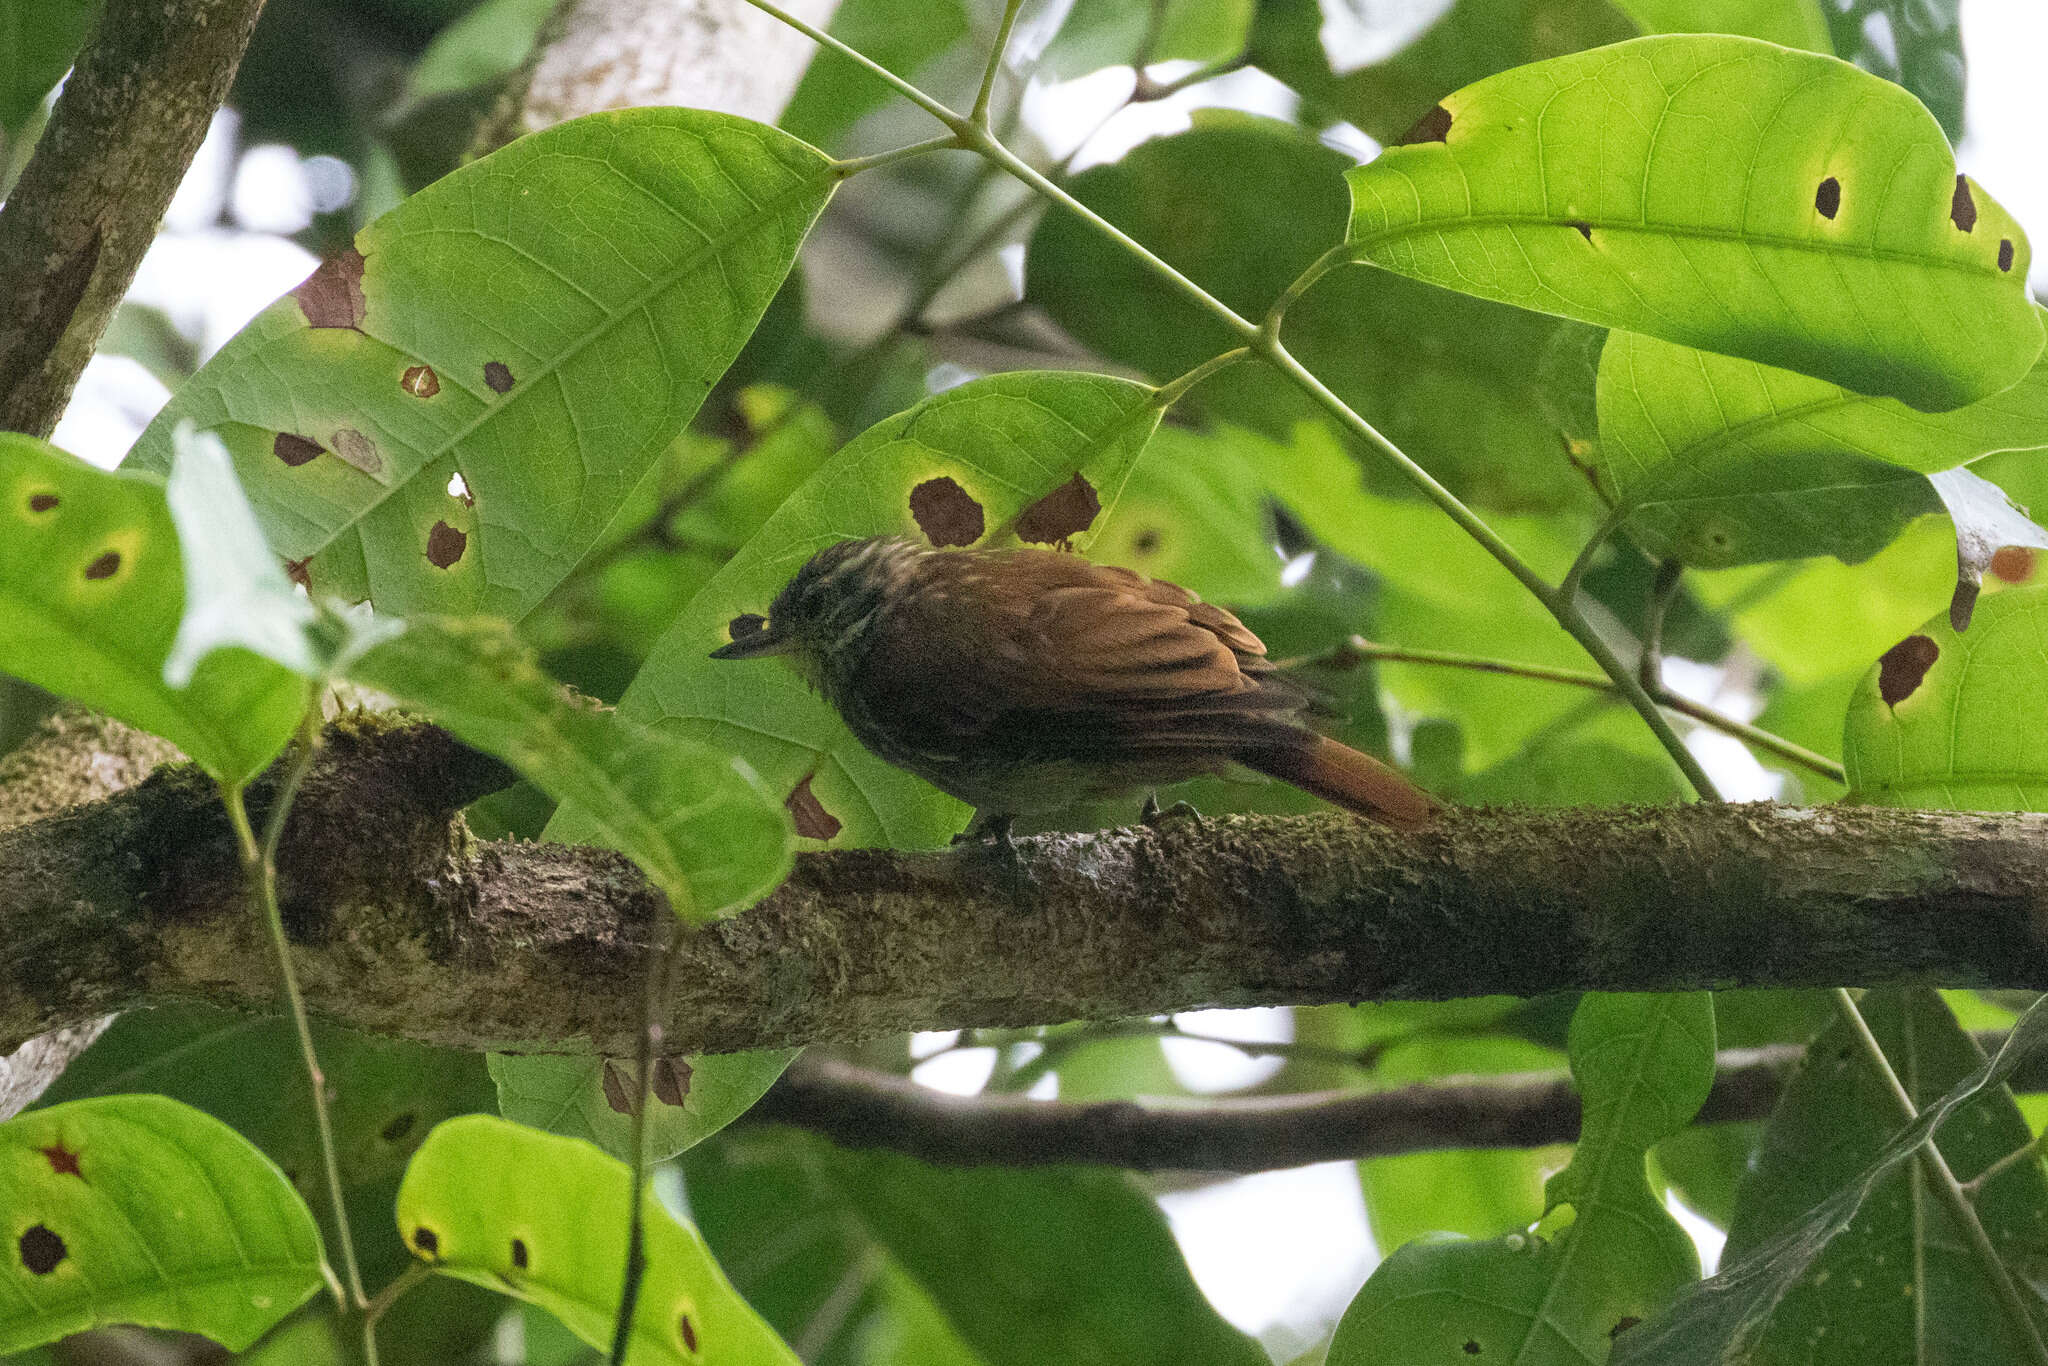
[988,836]
[1151,814]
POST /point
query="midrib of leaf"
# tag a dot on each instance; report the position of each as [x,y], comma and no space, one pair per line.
[713,248]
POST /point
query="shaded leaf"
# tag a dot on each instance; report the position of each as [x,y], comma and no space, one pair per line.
[569,1096]
[1918,43]
[38,39]
[837,92]
[1100,33]
[1833,238]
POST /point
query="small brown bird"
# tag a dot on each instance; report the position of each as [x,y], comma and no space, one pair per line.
[1024,680]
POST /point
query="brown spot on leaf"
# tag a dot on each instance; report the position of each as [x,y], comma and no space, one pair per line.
[2012,563]
[1471,1348]
[420,381]
[519,1253]
[398,1126]
[689,1334]
[63,1161]
[332,296]
[1584,228]
[2005,253]
[105,567]
[672,1080]
[296,571]
[1431,127]
[946,513]
[1962,209]
[498,376]
[746,624]
[445,545]
[1828,198]
[813,821]
[41,1250]
[293,449]
[1622,1325]
[1064,513]
[1146,541]
[426,1240]
[620,1098]
[352,446]
[43,502]
[1900,669]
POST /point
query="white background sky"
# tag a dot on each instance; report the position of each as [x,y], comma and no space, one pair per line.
[1279,1254]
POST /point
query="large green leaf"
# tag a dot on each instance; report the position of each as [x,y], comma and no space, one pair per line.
[1722,1319]
[1732,462]
[696,821]
[91,595]
[1953,721]
[1901,1283]
[1644,1065]
[592,1098]
[1795,23]
[445,417]
[136,1209]
[962,468]
[543,1219]
[1724,193]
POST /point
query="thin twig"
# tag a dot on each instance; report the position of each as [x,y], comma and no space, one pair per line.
[995,63]
[660,956]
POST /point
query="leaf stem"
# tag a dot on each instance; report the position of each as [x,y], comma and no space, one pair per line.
[2031,1149]
[654,992]
[1171,392]
[883,73]
[849,167]
[1945,1185]
[259,866]
[1568,587]
[995,63]
[1359,648]
[1318,268]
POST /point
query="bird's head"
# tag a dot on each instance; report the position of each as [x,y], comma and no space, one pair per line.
[823,613]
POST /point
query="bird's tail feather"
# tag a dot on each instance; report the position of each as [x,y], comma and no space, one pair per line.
[1343,777]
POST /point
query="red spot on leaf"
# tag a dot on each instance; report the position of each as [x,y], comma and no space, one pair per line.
[2012,563]
[43,502]
[1434,126]
[1900,669]
[63,1161]
[1962,208]
[946,513]
[1828,198]
[689,1335]
[2005,253]
[105,567]
[420,381]
[445,545]
[352,446]
[294,450]
[619,1097]
[41,1249]
[813,821]
[498,376]
[1064,513]
[332,296]
[672,1080]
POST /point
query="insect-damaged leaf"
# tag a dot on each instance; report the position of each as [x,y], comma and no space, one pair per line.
[1820,235]
[573,297]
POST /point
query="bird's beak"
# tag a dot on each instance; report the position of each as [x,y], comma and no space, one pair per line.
[763,640]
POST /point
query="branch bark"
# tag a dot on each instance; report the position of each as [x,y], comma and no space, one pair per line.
[86,208]
[405,925]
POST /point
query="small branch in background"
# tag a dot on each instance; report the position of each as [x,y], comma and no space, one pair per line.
[74,229]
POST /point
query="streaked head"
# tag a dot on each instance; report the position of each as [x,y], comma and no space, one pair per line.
[826,604]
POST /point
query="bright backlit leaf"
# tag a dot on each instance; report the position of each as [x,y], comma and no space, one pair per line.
[1829,233]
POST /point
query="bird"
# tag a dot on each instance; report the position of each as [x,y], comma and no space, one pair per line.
[1022,680]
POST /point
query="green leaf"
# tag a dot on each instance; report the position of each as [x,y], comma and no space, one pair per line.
[837,92]
[1051,1264]
[1951,721]
[38,39]
[91,594]
[488,42]
[1794,23]
[537,325]
[1193,513]
[1731,462]
[1901,1282]
[1626,187]
[971,462]
[1722,1319]
[1644,1065]
[573,1096]
[543,1219]
[136,1209]
[1918,43]
[699,824]
[1101,33]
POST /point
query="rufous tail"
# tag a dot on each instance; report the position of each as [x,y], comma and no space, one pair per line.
[1357,782]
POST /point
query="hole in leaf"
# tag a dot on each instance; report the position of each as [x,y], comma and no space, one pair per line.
[420,381]
[43,502]
[1061,515]
[813,821]
[332,296]
[1585,229]
[426,1240]
[1900,669]
[352,446]
[498,376]
[41,1250]
[398,1126]
[2005,253]
[621,1098]
[946,513]
[1962,208]
[445,545]
[1431,127]
[105,567]
[689,1333]
[519,1253]
[294,450]
[1828,198]
[458,487]
[672,1080]
[63,1161]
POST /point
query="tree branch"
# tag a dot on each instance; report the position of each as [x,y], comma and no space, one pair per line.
[86,208]
[405,925]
